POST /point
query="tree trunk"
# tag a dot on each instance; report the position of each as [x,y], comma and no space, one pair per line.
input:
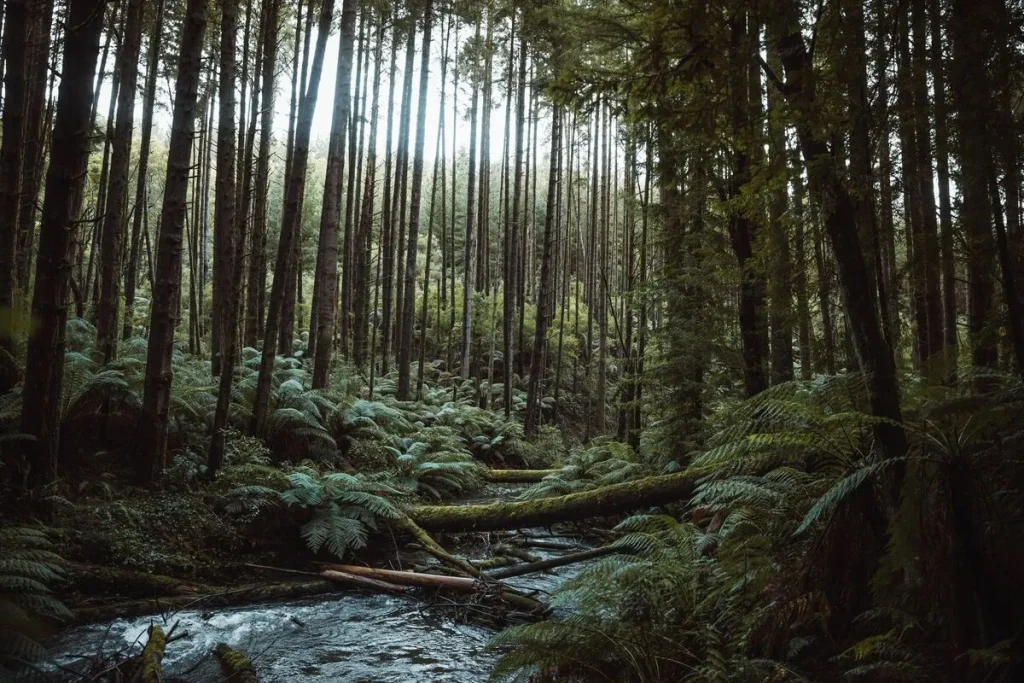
[113,223]
[970,26]
[290,222]
[151,448]
[16,21]
[256,281]
[327,253]
[948,263]
[470,251]
[65,177]
[398,205]
[141,194]
[37,134]
[512,255]
[228,235]
[544,293]
[873,353]
[362,284]
[387,240]
[409,305]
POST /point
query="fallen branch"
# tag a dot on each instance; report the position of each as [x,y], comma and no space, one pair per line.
[337,577]
[94,579]
[462,584]
[237,667]
[551,563]
[599,502]
[517,476]
[434,548]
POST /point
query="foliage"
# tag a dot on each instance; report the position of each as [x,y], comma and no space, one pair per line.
[601,463]
[29,569]
[344,507]
[766,582]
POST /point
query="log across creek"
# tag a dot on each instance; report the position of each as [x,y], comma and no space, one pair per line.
[600,502]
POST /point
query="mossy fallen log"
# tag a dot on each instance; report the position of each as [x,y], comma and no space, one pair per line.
[600,502]
[516,476]
[236,666]
[153,656]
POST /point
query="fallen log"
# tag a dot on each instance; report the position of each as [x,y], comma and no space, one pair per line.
[463,584]
[553,562]
[337,577]
[153,656]
[545,544]
[600,502]
[237,667]
[517,476]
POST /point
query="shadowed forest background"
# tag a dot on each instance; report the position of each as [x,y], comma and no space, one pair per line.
[728,293]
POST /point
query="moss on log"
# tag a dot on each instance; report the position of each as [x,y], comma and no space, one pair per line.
[237,667]
[517,476]
[153,656]
[600,502]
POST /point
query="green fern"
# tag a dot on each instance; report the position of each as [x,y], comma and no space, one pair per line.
[29,568]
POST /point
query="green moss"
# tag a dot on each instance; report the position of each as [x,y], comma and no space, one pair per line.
[153,655]
[236,666]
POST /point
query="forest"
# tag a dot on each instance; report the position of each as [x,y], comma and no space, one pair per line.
[512,340]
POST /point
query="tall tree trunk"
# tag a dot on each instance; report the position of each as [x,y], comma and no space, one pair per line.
[151,448]
[401,188]
[362,284]
[781,279]
[511,255]
[65,177]
[483,245]
[929,226]
[256,280]
[409,306]
[972,90]
[873,353]
[948,263]
[886,229]
[290,222]
[544,291]
[438,170]
[36,135]
[470,252]
[742,225]
[113,228]
[227,238]
[387,240]
[141,184]
[17,18]
[327,254]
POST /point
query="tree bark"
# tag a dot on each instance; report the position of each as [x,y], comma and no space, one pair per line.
[40,416]
[544,293]
[327,253]
[512,255]
[290,222]
[409,305]
[470,251]
[151,448]
[141,194]
[17,18]
[37,134]
[873,353]
[113,219]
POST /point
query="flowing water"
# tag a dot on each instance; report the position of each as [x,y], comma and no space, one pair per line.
[349,637]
